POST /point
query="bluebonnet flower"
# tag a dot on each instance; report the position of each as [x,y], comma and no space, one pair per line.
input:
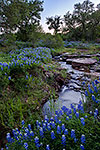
[77,114]
[81,147]
[83,83]
[48,126]
[96,81]
[70,116]
[41,132]
[59,121]
[36,140]
[53,125]
[51,119]
[95,115]
[72,106]
[86,116]
[63,139]
[25,145]
[64,109]
[58,129]
[60,113]
[56,118]
[26,130]
[90,90]
[96,110]
[25,135]
[46,118]
[72,133]
[23,122]
[95,89]
[52,135]
[74,110]
[90,112]
[66,132]
[47,147]
[86,93]
[67,118]
[2,68]
[82,138]
[63,127]
[9,78]
[26,76]
[82,121]
[93,98]
[31,133]
[8,137]
[93,84]
[29,126]
[44,127]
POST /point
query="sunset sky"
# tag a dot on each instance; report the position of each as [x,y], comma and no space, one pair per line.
[58,7]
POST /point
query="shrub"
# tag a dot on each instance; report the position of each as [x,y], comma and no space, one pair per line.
[50,41]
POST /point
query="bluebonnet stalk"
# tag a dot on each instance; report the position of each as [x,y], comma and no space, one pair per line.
[47,147]
[96,110]
[53,125]
[41,132]
[66,132]
[77,114]
[74,110]
[67,118]
[29,126]
[95,89]
[36,140]
[93,98]
[63,139]
[59,121]
[23,122]
[83,83]
[58,129]
[81,147]
[8,137]
[44,127]
[48,126]
[53,135]
[86,93]
[25,145]
[72,133]
[95,115]
[90,112]
[31,133]
[9,78]
[82,121]
[82,138]
[97,82]
[63,127]
[90,90]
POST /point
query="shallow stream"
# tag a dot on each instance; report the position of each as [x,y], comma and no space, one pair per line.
[69,94]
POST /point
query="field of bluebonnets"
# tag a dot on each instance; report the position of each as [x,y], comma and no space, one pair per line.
[24,85]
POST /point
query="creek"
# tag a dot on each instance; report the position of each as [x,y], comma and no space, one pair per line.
[81,69]
[70,93]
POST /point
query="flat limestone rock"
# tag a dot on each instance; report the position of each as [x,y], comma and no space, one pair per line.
[83,62]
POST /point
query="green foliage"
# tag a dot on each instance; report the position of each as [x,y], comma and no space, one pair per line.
[50,41]
[20,15]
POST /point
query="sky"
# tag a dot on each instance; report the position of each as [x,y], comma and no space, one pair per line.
[58,7]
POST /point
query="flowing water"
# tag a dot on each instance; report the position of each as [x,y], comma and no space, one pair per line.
[70,94]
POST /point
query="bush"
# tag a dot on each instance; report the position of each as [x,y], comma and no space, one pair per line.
[50,41]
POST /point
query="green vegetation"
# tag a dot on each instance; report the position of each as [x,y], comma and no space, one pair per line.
[29,77]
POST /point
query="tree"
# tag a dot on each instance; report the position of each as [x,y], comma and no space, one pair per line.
[54,23]
[20,15]
[82,13]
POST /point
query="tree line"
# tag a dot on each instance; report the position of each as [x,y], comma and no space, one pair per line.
[22,19]
[82,23]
